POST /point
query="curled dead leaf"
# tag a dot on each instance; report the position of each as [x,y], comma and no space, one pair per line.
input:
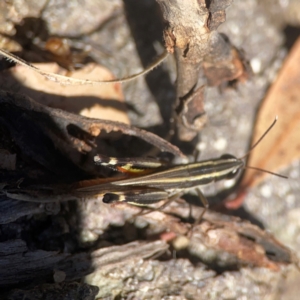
[58,139]
[90,101]
[282,144]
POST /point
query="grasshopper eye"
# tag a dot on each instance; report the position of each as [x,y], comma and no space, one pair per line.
[227,156]
[230,158]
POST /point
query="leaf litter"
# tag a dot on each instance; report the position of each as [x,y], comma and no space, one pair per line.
[67,82]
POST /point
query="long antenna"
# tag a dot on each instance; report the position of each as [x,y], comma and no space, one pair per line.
[265,171]
[255,144]
[261,138]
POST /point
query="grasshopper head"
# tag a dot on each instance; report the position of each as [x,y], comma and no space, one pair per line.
[234,161]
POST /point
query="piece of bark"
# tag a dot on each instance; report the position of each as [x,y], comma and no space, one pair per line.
[22,265]
[219,236]
[73,290]
[220,241]
[129,276]
[19,265]
[243,242]
[181,279]
[66,143]
[7,160]
[11,210]
[229,241]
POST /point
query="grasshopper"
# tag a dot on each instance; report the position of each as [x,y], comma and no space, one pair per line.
[154,182]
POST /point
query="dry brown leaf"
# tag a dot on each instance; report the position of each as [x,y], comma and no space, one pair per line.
[50,135]
[282,144]
[105,102]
